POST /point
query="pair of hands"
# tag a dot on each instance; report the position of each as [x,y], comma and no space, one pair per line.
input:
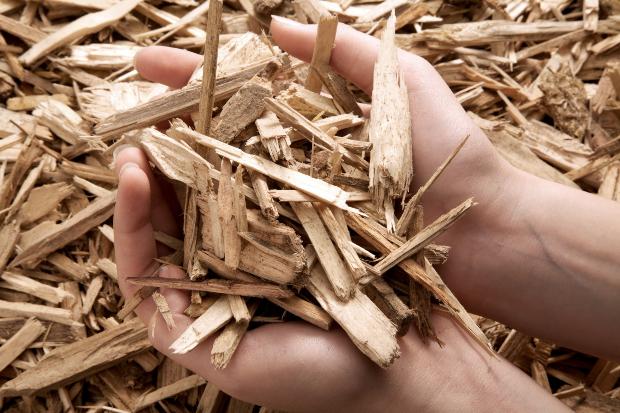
[295,366]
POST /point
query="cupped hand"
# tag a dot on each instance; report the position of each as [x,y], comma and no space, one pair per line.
[292,366]
[296,366]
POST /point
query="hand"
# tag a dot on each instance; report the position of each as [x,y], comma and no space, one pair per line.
[295,366]
[533,254]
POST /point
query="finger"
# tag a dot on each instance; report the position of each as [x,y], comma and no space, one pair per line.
[169,66]
[354,54]
[134,241]
[140,210]
[354,63]
[162,216]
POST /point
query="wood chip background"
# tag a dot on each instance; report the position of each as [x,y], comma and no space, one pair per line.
[540,77]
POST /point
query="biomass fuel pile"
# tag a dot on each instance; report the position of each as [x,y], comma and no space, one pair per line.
[296,204]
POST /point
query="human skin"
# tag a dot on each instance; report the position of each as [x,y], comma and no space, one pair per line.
[509,261]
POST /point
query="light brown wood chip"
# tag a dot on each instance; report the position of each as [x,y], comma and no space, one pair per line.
[389,131]
[87,24]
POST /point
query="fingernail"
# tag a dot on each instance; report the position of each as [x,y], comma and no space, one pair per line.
[285,21]
[162,270]
[172,271]
[126,167]
[119,149]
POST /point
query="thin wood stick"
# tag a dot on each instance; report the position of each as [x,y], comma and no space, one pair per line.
[570,392]
[175,102]
[311,131]
[225,195]
[19,342]
[27,33]
[12,60]
[493,31]
[205,107]
[380,239]
[381,9]
[319,189]
[180,386]
[22,283]
[337,87]
[67,364]
[423,238]
[458,311]
[323,45]
[342,240]
[305,310]
[239,309]
[267,205]
[76,226]
[590,15]
[229,287]
[384,297]
[134,301]
[591,166]
[206,198]
[405,220]
[9,235]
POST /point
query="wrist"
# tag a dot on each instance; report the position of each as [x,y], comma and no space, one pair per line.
[467,379]
[492,386]
[459,376]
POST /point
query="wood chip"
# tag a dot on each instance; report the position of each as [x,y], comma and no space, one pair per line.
[57,315]
[391,158]
[319,189]
[424,237]
[90,23]
[336,272]
[70,363]
[227,342]
[371,331]
[204,326]
[214,17]
[164,309]
[20,341]
[59,235]
[323,45]
[246,289]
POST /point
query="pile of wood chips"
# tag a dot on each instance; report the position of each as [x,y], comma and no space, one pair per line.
[295,205]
